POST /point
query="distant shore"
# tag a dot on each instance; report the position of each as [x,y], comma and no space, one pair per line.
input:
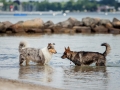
[7,84]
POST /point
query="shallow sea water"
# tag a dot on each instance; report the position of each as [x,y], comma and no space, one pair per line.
[59,72]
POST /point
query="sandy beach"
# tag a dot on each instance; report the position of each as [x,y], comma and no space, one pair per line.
[7,84]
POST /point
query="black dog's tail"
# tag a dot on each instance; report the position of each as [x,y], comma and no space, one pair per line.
[107,51]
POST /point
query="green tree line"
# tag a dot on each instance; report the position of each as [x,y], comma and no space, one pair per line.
[72,5]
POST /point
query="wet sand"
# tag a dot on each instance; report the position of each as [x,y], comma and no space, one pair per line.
[7,84]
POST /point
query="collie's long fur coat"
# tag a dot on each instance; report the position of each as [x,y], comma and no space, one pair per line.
[40,56]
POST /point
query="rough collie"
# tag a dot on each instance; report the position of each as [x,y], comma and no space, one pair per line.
[40,56]
[86,57]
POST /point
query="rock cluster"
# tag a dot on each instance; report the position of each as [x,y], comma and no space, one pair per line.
[71,25]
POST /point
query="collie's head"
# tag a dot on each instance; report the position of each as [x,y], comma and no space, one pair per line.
[67,53]
[51,48]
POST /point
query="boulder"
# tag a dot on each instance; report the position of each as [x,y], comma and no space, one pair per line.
[104,21]
[56,28]
[48,24]
[18,27]
[4,26]
[114,31]
[109,25]
[78,23]
[100,29]
[67,30]
[116,23]
[90,21]
[69,23]
[82,29]
[72,20]
[47,30]
[35,23]
[34,30]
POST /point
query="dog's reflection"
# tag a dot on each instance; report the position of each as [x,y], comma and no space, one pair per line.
[86,70]
[36,72]
[90,69]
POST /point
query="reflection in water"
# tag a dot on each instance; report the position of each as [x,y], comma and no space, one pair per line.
[89,69]
[60,73]
[88,76]
[39,73]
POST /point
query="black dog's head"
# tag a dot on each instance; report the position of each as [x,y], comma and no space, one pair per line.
[66,53]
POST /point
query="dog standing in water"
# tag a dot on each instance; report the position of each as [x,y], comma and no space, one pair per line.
[40,56]
[87,58]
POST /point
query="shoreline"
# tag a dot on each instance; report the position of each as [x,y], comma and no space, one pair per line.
[9,84]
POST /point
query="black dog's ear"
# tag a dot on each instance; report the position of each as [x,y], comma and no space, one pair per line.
[68,48]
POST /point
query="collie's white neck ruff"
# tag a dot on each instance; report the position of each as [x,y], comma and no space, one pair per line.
[47,55]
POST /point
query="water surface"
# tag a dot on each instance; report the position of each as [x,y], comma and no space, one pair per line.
[59,72]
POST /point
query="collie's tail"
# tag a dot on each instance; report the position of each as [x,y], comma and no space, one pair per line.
[107,51]
[22,45]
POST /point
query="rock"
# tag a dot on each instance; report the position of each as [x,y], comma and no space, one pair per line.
[67,30]
[35,23]
[115,20]
[18,27]
[72,20]
[100,29]
[19,22]
[7,24]
[34,30]
[69,23]
[82,29]
[116,23]
[90,21]
[48,24]
[78,23]
[65,24]
[4,26]
[56,28]
[104,21]
[48,30]
[108,25]
[114,31]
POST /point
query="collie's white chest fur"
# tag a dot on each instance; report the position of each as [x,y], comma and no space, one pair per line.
[47,55]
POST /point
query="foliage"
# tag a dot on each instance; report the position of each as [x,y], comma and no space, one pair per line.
[72,5]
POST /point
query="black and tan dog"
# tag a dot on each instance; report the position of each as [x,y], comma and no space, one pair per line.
[87,58]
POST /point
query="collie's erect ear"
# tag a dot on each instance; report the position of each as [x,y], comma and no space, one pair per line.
[53,43]
[68,48]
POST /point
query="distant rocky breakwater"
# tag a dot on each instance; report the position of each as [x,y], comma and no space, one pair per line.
[71,25]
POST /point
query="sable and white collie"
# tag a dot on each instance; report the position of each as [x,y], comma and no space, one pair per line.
[86,57]
[40,56]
